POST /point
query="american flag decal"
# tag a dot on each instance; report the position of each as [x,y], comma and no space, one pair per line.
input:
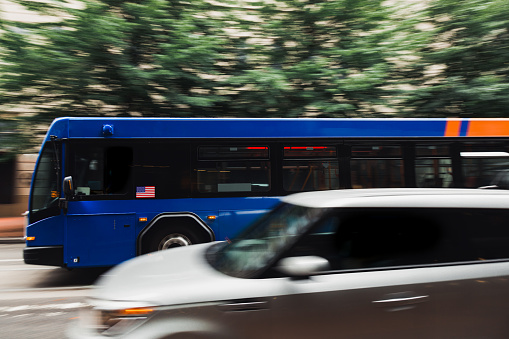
[146,192]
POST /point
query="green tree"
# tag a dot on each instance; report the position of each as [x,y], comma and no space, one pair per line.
[179,58]
[469,56]
[114,57]
[323,58]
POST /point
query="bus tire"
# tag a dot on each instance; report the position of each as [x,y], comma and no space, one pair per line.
[172,237]
[169,230]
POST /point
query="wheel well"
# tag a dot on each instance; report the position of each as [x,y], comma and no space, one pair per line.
[168,221]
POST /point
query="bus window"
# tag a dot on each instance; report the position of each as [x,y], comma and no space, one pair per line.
[233,152]
[482,169]
[45,195]
[228,169]
[310,168]
[165,166]
[433,166]
[100,170]
[377,166]
[297,152]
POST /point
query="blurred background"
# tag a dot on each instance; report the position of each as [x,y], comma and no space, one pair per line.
[226,58]
[221,58]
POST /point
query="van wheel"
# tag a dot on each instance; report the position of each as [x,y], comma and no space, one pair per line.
[170,238]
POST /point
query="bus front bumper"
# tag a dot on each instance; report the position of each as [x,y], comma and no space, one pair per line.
[47,255]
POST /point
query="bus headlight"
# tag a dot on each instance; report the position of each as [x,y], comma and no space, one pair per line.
[118,322]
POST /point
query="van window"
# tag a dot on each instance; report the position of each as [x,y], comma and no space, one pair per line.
[375,238]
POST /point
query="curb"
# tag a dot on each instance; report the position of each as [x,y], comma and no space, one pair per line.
[12,240]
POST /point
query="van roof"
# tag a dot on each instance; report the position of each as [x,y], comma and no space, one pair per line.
[402,197]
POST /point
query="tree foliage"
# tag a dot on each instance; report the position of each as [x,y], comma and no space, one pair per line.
[324,58]
[469,49]
[286,58]
[113,57]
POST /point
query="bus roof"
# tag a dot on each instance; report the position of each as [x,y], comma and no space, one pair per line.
[274,128]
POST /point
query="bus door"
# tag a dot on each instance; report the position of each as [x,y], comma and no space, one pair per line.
[100,228]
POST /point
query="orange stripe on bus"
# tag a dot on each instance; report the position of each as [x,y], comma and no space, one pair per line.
[452,128]
[488,128]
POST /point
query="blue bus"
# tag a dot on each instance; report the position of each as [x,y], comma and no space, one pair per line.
[107,189]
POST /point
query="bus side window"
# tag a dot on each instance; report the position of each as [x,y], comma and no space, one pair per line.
[377,166]
[117,169]
[163,164]
[102,171]
[484,165]
[433,166]
[88,173]
[310,168]
[233,169]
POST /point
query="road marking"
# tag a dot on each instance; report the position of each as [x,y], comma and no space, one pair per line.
[66,306]
[53,314]
[27,268]
[5,260]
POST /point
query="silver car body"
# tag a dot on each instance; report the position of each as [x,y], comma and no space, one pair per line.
[188,298]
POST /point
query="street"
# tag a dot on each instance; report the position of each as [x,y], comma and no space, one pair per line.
[39,301]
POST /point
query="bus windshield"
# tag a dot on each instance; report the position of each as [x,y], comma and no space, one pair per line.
[45,193]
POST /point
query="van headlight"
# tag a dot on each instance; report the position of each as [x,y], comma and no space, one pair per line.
[118,322]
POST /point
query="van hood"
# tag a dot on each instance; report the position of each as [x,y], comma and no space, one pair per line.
[172,277]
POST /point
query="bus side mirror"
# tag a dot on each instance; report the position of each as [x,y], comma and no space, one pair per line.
[68,187]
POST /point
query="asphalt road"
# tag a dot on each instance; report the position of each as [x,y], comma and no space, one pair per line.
[37,301]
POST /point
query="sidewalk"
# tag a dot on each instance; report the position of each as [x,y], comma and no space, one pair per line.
[11,229]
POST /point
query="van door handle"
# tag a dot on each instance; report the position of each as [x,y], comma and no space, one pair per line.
[244,306]
[401,301]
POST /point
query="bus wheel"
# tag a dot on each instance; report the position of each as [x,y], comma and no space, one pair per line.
[170,238]
[173,240]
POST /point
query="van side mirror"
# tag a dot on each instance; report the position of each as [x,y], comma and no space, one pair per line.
[302,267]
[68,186]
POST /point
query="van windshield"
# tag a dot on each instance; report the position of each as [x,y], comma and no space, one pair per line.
[261,244]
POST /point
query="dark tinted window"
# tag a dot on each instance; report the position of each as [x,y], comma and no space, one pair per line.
[377,173]
[309,151]
[45,194]
[488,233]
[433,166]
[310,168]
[484,164]
[432,150]
[371,238]
[232,152]
[101,169]
[376,166]
[376,151]
[233,169]
[45,188]
[163,165]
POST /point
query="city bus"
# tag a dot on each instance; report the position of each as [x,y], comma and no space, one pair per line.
[108,189]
